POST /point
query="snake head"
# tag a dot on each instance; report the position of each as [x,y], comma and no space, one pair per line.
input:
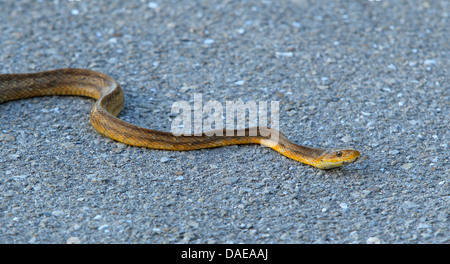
[336,157]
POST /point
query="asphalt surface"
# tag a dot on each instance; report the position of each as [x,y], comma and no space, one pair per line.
[372,75]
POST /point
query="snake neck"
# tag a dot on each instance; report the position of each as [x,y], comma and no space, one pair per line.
[279,142]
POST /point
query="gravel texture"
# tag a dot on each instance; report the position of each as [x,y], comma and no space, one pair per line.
[367,74]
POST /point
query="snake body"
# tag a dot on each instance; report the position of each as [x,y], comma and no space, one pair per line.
[109,103]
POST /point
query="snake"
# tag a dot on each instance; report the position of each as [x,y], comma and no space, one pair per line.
[110,100]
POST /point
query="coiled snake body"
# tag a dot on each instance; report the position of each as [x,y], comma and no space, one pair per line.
[109,103]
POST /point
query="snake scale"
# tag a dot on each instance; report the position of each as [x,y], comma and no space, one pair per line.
[109,96]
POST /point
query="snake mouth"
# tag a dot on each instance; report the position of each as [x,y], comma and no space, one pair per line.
[352,160]
[357,155]
[345,162]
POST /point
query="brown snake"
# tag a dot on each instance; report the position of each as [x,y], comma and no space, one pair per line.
[109,103]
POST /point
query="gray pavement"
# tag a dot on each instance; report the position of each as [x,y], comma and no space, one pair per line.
[368,74]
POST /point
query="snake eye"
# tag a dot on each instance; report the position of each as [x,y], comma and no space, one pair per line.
[338,154]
